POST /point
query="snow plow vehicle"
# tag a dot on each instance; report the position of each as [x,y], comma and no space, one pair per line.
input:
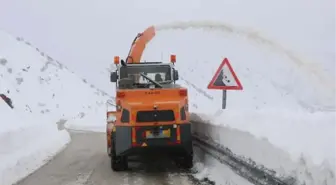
[151,109]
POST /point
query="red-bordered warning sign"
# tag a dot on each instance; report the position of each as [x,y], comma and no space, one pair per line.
[225,78]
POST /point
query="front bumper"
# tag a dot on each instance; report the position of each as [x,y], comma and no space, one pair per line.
[133,140]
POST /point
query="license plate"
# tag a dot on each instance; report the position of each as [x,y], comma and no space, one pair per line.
[160,134]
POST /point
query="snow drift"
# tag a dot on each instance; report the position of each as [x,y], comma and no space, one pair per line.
[43,93]
[26,144]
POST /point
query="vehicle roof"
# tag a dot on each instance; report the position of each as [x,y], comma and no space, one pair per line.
[164,86]
[149,64]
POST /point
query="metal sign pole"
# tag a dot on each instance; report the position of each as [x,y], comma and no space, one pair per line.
[224,100]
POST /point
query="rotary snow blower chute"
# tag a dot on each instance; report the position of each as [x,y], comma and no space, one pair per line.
[151,109]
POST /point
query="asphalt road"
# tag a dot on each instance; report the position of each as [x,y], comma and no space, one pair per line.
[85,162]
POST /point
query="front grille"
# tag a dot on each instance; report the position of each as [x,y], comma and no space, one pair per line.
[153,116]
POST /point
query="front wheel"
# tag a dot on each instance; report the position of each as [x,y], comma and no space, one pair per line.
[118,163]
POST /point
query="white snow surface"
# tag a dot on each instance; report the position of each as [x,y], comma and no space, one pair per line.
[26,144]
[43,93]
[283,53]
[286,146]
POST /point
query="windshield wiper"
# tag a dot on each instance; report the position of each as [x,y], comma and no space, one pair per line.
[166,82]
[149,79]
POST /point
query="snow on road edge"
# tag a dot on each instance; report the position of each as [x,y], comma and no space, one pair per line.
[26,147]
[270,148]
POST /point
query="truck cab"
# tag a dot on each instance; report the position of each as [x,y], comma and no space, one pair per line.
[130,76]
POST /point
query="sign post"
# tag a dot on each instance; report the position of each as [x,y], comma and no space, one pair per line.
[224,100]
[225,79]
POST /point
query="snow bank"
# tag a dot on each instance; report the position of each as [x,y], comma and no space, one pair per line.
[25,144]
[45,94]
[207,167]
[303,147]
[311,135]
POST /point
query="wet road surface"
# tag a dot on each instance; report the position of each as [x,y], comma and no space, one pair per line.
[85,162]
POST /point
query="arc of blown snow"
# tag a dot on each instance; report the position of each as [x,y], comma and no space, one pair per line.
[312,69]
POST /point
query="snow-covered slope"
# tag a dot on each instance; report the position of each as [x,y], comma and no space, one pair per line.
[45,95]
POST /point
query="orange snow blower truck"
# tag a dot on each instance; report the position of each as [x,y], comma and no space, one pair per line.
[151,109]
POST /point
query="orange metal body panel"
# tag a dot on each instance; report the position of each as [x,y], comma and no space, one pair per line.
[145,99]
[139,45]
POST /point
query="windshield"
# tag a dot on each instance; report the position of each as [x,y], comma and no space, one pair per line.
[158,73]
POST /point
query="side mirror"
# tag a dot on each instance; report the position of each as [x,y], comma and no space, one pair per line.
[112,119]
[114,77]
[111,116]
[176,75]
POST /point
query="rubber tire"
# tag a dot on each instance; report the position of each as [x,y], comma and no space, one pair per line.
[187,161]
[118,163]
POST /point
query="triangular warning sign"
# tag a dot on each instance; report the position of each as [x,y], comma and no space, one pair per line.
[144,144]
[225,78]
